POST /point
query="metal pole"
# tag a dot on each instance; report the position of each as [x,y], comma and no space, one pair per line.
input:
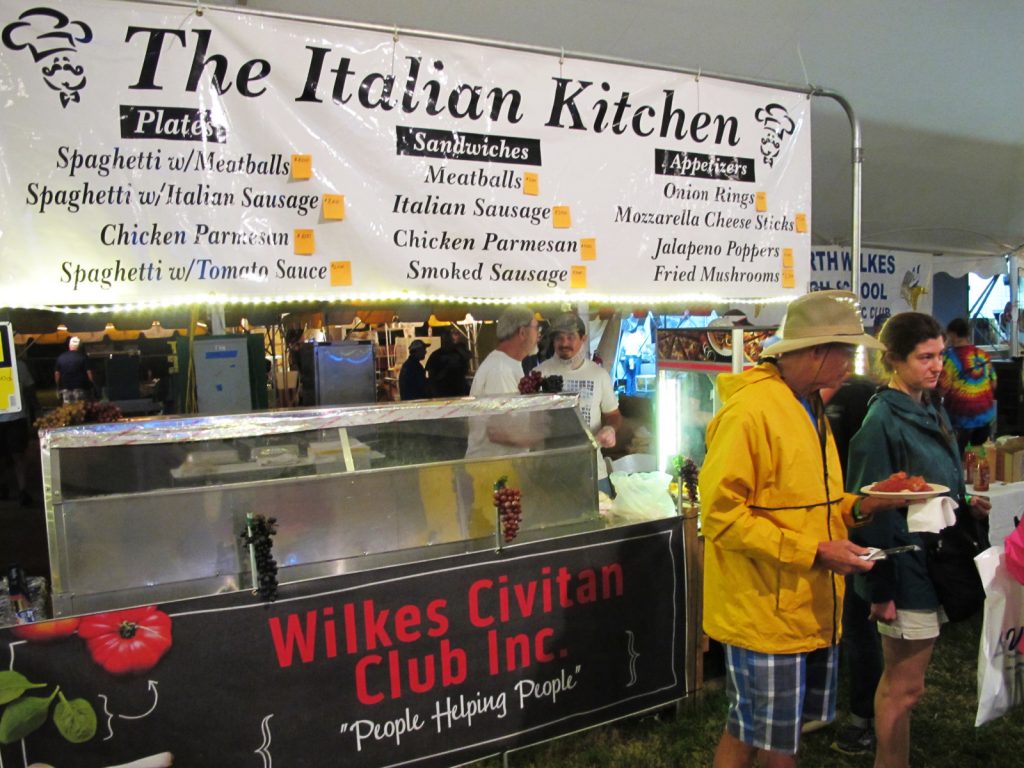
[1013,265]
[693,566]
[857,159]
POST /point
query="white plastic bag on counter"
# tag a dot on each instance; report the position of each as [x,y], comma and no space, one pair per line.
[641,496]
[1001,651]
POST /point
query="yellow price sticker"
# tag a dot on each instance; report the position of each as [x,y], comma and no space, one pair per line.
[787,257]
[788,278]
[578,276]
[305,243]
[801,222]
[341,273]
[760,202]
[334,207]
[531,184]
[560,217]
[302,167]
[588,248]
[8,398]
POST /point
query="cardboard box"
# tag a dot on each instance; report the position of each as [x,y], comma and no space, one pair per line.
[1010,464]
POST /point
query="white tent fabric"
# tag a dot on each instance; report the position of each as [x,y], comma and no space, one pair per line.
[958,266]
[936,87]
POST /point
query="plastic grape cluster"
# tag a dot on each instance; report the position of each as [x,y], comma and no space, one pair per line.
[535,382]
[82,412]
[101,412]
[259,534]
[65,415]
[688,474]
[508,502]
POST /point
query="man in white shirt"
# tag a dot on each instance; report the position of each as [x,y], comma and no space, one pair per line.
[496,436]
[598,403]
[500,372]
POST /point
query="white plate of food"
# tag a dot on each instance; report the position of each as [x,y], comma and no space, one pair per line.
[937,490]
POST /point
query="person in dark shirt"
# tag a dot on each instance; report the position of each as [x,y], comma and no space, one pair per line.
[72,374]
[14,437]
[447,367]
[412,379]
[861,646]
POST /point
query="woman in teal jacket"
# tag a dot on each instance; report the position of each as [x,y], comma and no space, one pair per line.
[905,431]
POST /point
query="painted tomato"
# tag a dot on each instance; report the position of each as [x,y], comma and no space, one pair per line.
[46,631]
[122,642]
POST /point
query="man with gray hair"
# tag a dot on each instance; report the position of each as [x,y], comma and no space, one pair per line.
[775,515]
[493,436]
[501,370]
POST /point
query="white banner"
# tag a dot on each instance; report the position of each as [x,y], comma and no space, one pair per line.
[153,153]
[890,281]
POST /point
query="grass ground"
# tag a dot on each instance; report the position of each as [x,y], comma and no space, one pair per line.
[943,732]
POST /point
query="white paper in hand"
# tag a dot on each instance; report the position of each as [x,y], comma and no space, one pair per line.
[931,516]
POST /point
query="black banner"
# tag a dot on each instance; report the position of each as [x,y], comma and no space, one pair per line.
[461,145]
[173,123]
[431,664]
[671,162]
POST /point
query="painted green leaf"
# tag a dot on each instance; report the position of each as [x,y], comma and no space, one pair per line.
[13,684]
[75,719]
[23,716]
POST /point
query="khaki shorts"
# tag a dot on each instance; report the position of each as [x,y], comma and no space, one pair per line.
[914,625]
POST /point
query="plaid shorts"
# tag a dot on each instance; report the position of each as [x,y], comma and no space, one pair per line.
[770,694]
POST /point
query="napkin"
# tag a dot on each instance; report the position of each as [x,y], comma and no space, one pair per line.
[931,516]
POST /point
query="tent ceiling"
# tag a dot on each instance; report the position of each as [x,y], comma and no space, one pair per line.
[936,86]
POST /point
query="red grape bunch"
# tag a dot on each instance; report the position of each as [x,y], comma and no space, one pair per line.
[535,382]
[530,383]
[689,475]
[508,502]
[101,412]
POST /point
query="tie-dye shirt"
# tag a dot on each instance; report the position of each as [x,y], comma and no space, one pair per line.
[968,384]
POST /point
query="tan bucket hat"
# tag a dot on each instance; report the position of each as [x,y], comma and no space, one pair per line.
[821,317]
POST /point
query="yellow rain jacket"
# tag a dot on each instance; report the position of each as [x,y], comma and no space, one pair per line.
[766,502]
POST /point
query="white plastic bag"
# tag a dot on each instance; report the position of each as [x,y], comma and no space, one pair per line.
[1001,651]
[641,496]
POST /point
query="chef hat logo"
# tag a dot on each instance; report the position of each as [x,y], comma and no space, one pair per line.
[53,39]
[777,126]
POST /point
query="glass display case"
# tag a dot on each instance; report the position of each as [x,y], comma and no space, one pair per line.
[689,361]
[153,510]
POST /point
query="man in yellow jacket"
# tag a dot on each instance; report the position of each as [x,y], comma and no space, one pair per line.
[774,519]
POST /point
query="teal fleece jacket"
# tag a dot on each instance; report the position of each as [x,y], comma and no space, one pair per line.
[899,433]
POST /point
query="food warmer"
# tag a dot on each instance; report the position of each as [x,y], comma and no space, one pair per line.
[153,510]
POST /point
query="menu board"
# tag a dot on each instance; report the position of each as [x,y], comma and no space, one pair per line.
[176,154]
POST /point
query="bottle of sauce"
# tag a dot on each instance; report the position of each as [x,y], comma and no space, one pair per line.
[994,460]
[970,462]
[982,472]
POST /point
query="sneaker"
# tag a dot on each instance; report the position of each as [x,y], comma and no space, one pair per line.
[854,740]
